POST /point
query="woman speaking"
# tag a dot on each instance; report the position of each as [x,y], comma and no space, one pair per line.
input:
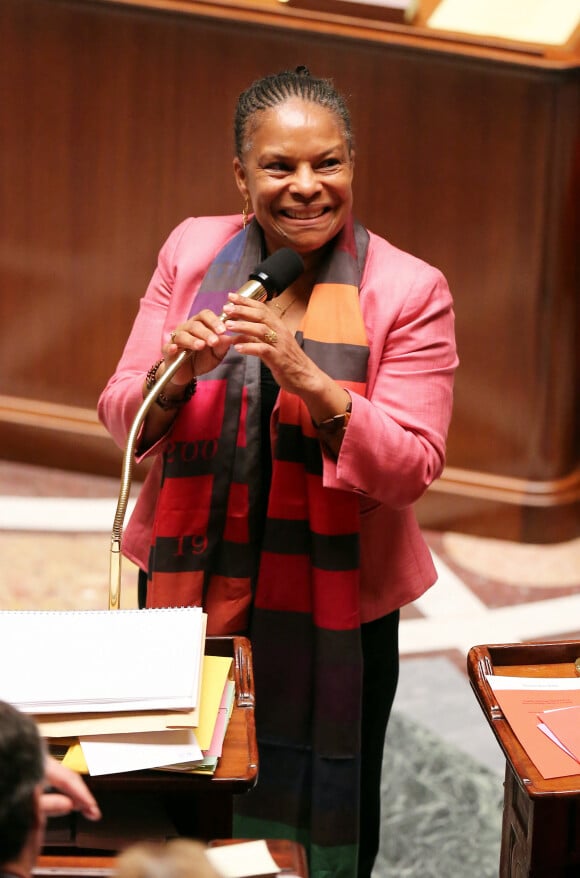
[288,450]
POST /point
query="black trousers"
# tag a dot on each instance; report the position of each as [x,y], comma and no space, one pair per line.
[380,646]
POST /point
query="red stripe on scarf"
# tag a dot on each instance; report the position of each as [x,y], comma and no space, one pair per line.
[282,583]
[185,589]
[209,410]
[237,522]
[331,598]
[181,516]
[291,501]
[226,603]
[334,517]
[336,604]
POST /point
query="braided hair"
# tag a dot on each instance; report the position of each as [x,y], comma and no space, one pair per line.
[275,89]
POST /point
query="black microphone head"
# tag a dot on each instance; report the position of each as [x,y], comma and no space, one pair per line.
[279,270]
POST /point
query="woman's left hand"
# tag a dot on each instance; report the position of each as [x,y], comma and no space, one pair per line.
[261,333]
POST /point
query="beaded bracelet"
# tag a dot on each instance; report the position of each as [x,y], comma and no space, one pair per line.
[167,403]
[151,376]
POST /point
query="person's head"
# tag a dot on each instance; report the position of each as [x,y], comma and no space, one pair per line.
[179,858]
[294,159]
[21,782]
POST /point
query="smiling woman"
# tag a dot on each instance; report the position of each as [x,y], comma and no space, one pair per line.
[288,450]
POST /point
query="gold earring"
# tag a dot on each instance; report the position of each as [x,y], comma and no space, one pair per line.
[245,211]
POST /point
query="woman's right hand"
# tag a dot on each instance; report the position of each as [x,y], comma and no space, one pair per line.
[206,336]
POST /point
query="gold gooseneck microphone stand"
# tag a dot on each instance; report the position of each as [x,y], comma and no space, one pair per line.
[126,473]
[276,273]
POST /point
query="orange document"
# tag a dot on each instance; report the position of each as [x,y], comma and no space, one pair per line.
[565,725]
[521,708]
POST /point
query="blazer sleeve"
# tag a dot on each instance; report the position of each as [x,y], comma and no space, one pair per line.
[181,265]
[394,445]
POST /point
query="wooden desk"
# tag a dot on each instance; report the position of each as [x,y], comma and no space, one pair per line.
[290,858]
[541,818]
[113,130]
[198,805]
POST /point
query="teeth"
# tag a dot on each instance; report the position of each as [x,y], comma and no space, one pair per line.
[294,214]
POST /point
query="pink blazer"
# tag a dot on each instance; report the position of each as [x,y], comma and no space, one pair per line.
[394,445]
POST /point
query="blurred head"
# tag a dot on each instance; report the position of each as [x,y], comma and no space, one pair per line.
[21,783]
[179,858]
[294,159]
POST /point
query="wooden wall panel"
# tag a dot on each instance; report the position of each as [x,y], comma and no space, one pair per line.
[115,124]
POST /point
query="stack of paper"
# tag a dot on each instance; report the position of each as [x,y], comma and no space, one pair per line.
[191,735]
[131,686]
[544,713]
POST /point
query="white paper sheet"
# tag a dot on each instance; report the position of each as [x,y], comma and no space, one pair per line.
[111,754]
[242,860]
[526,684]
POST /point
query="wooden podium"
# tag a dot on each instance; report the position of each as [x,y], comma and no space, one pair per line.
[199,806]
[541,818]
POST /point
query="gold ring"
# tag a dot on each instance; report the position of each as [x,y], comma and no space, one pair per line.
[271,337]
[172,335]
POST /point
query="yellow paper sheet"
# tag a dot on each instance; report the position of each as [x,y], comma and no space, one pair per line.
[216,669]
[75,759]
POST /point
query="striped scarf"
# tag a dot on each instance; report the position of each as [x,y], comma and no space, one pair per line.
[294,587]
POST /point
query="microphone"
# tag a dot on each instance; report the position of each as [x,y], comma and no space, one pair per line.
[272,275]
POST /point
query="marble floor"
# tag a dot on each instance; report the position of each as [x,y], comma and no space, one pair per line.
[443,768]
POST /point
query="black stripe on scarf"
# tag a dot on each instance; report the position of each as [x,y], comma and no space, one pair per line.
[328,552]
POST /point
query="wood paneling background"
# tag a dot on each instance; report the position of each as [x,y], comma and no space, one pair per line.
[116,123]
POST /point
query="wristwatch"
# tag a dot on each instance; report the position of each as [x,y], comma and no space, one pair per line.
[333,425]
